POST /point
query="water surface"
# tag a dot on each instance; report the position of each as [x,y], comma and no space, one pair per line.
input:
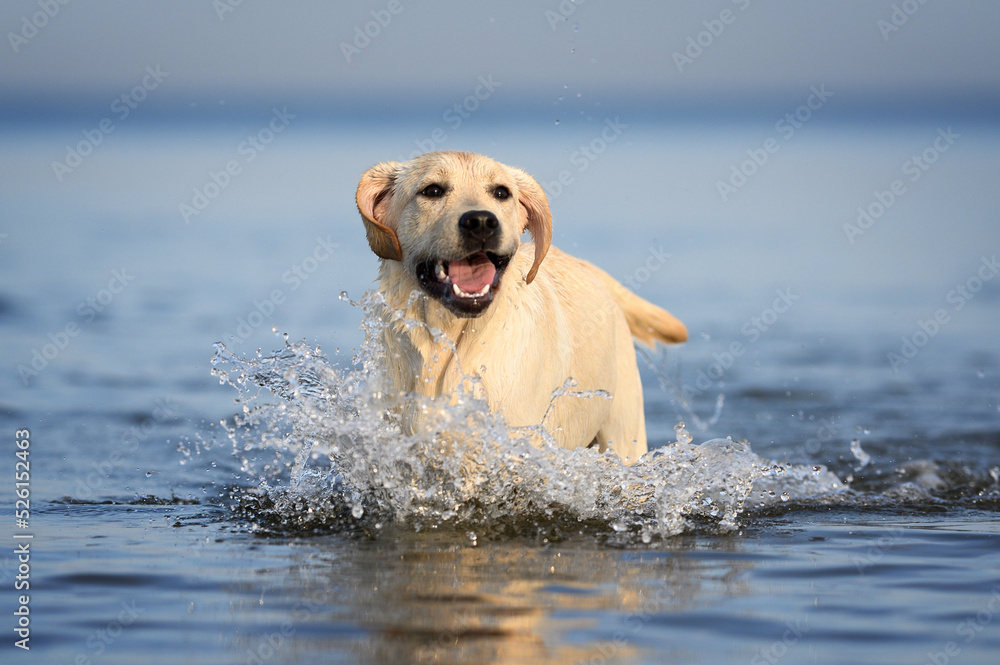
[164,531]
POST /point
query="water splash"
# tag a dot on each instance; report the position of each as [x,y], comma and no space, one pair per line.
[326,449]
[667,370]
[864,459]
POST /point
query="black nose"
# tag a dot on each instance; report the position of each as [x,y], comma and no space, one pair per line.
[479,224]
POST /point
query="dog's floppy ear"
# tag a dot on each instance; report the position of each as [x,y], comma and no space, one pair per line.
[539,219]
[374,195]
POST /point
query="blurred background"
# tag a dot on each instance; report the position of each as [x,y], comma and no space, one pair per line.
[395,58]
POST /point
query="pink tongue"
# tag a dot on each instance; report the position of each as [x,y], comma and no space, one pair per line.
[473,273]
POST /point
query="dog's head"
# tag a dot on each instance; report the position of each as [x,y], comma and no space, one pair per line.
[454,221]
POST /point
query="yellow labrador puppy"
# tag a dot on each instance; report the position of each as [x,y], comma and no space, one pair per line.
[521,317]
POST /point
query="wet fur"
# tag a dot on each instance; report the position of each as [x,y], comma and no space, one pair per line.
[552,316]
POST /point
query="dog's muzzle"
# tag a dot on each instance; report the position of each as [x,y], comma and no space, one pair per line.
[466,285]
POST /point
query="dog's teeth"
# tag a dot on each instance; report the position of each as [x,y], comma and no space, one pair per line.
[439,272]
[462,294]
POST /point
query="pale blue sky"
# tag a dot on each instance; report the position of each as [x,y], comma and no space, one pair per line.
[898,53]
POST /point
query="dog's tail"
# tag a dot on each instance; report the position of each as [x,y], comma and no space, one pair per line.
[647,322]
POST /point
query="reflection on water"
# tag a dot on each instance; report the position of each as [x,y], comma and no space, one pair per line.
[440,599]
[208,592]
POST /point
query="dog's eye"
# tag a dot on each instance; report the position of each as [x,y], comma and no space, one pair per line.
[501,192]
[434,191]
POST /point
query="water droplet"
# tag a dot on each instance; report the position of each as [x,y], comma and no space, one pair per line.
[784,496]
[683,436]
[981,373]
[358,511]
[859,454]
[557,119]
[344,296]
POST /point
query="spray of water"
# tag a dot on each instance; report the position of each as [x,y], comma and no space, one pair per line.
[324,445]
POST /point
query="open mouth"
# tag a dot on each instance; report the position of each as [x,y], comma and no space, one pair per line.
[465,286]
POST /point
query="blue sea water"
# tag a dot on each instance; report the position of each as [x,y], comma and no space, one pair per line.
[844,302]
